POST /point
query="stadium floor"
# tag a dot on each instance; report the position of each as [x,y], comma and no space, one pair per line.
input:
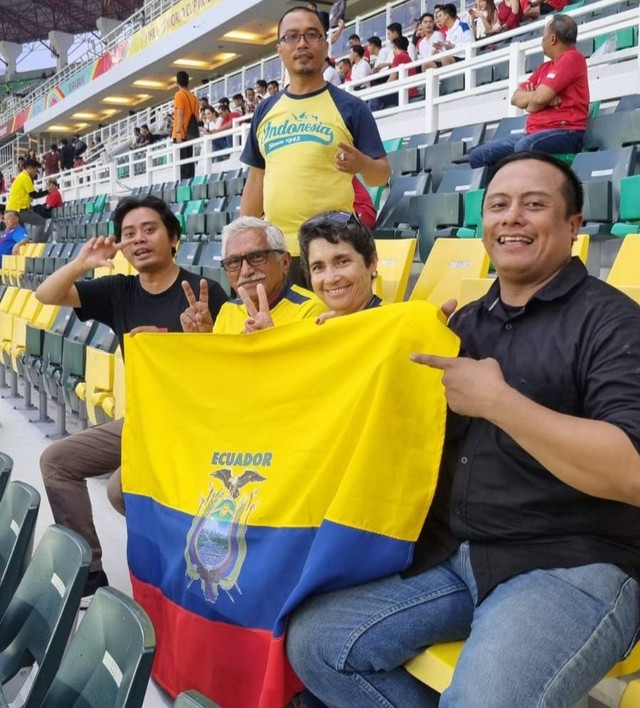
[24,442]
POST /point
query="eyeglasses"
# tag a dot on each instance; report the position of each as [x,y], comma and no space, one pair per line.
[336,217]
[254,258]
[311,37]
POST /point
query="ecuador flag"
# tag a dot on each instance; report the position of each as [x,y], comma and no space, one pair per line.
[261,468]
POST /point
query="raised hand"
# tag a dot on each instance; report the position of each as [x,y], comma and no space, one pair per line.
[197,317]
[97,252]
[260,317]
[348,159]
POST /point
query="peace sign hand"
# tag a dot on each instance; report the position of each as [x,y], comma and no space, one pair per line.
[197,317]
[259,318]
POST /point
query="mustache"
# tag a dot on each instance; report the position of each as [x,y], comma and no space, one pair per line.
[251,279]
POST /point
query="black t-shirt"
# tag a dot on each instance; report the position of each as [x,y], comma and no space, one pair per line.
[67,154]
[573,348]
[120,302]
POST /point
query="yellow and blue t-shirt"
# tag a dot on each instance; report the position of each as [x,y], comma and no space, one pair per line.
[20,192]
[295,140]
[293,304]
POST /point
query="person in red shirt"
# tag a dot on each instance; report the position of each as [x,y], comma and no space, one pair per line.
[400,56]
[51,161]
[509,14]
[532,9]
[556,96]
[53,200]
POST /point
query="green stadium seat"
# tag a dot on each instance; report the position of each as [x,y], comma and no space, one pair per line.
[629,222]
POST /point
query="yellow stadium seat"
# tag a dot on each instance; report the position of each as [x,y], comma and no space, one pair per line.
[14,310]
[114,405]
[7,298]
[473,289]
[44,317]
[27,315]
[394,267]
[581,247]
[435,666]
[450,261]
[30,250]
[98,383]
[8,266]
[633,291]
[626,267]
[631,696]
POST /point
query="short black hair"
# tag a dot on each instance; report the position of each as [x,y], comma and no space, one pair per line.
[401,42]
[182,79]
[358,49]
[353,36]
[346,61]
[299,8]
[376,41]
[238,97]
[31,162]
[144,126]
[449,9]
[395,27]
[353,232]
[262,83]
[53,146]
[427,14]
[572,190]
[163,210]
[274,83]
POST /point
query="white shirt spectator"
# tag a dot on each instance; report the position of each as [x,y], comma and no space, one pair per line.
[331,76]
[425,45]
[360,70]
[459,34]
[386,53]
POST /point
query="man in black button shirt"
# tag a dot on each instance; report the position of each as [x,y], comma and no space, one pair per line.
[532,546]
[147,232]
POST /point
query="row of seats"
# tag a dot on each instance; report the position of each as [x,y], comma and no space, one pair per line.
[107,662]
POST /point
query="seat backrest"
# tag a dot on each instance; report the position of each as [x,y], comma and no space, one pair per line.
[6,467]
[18,513]
[193,699]
[421,140]
[396,209]
[395,257]
[626,267]
[630,199]
[104,338]
[470,135]
[437,158]
[510,126]
[450,260]
[580,247]
[188,253]
[38,620]
[109,658]
[628,103]
[211,254]
[462,180]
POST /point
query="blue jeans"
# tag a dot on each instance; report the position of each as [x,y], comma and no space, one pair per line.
[543,638]
[549,141]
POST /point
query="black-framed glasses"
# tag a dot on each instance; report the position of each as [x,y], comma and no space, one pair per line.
[311,37]
[253,258]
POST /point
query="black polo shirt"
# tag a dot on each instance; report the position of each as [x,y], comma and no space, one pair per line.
[574,348]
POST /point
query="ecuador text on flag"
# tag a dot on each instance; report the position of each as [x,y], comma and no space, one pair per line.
[261,468]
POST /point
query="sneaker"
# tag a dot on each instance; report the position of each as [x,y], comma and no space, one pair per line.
[95,580]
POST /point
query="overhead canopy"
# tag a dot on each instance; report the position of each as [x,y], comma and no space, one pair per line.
[23,21]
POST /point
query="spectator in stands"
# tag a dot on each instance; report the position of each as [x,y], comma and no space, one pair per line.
[400,56]
[324,16]
[250,99]
[363,204]
[203,102]
[532,543]
[52,201]
[441,25]
[13,236]
[484,18]
[458,34]
[430,37]
[51,161]
[261,90]
[354,41]
[344,69]
[20,196]
[360,67]
[67,154]
[167,125]
[79,146]
[185,105]
[374,45]
[509,14]
[137,137]
[239,106]
[211,122]
[147,232]
[330,73]
[556,96]
[337,137]
[387,53]
[3,186]
[147,137]
[225,122]
[256,260]
[338,257]
[272,88]
[532,9]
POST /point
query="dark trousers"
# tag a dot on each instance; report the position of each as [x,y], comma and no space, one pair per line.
[188,170]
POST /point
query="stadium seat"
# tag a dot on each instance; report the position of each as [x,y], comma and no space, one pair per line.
[442,213]
[394,215]
[601,173]
[510,126]
[97,388]
[216,186]
[114,405]
[108,662]
[629,207]
[628,103]
[631,696]
[435,159]
[625,272]
[188,254]
[6,467]
[472,289]
[36,625]
[469,136]
[612,131]
[403,161]
[199,187]
[18,513]
[450,260]
[395,257]
[581,247]
[193,699]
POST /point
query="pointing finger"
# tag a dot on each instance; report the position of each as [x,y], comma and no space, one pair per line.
[435,362]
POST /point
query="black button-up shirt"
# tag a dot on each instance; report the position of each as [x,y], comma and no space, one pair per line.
[574,348]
